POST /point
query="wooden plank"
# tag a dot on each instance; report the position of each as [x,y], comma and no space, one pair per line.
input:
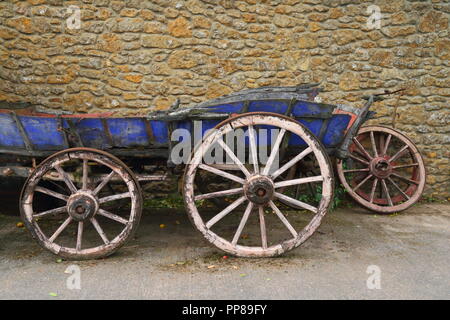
[63,132]
[23,133]
[73,131]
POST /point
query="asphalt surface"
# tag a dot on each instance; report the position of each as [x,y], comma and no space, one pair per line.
[411,251]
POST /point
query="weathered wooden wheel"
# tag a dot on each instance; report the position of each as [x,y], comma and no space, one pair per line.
[270,231]
[76,179]
[385,171]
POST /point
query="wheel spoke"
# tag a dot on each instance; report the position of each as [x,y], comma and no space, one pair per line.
[362,182]
[356,170]
[219,194]
[53,183]
[405,179]
[103,183]
[298,181]
[283,219]
[233,157]
[60,229]
[244,219]
[50,212]
[80,235]
[374,146]
[374,187]
[399,189]
[399,153]
[296,202]
[293,161]
[51,193]
[274,152]
[225,211]
[386,145]
[115,197]
[386,192]
[358,159]
[253,148]
[361,148]
[66,178]
[112,216]
[221,173]
[262,224]
[85,175]
[99,230]
[405,166]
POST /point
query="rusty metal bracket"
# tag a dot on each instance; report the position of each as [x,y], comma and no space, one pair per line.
[73,133]
[342,151]
[63,131]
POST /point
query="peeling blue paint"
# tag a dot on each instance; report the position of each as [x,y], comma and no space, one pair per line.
[9,133]
[43,132]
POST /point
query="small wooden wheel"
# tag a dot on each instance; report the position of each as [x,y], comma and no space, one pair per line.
[262,230]
[385,171]
[85,222]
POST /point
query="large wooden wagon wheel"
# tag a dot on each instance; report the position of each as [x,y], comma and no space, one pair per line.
[385,171]
[262,229]
[85,222]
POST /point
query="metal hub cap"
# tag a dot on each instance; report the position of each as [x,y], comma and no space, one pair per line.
[380,167]
[259,189]
[82,206]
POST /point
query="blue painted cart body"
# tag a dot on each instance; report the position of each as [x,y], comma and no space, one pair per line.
[43,134]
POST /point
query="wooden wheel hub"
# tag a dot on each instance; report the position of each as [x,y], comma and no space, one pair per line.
[259,189]
[380,167]
[82,206]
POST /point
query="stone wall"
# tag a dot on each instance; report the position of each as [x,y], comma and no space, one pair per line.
[135,56]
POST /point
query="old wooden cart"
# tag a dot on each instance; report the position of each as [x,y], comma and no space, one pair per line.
[82,202]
